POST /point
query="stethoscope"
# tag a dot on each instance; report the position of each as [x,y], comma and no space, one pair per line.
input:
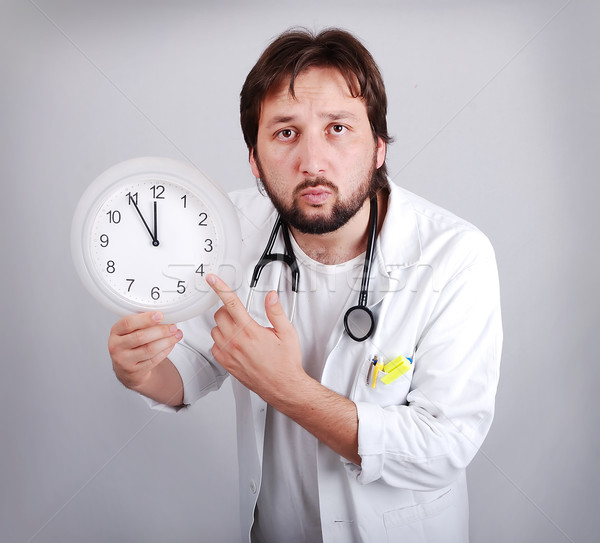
[359,321]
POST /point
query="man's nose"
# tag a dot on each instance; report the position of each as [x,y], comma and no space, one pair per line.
[312,155]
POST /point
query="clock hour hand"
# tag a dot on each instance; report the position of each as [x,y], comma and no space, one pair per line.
[152,235]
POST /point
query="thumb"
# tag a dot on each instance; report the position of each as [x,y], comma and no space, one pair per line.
[275,312]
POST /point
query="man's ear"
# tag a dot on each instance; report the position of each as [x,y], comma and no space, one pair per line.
[381,151]
[253,164]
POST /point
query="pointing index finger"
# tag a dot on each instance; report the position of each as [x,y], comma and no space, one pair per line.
[230,299]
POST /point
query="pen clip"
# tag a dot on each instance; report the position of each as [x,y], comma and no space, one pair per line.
[377,367]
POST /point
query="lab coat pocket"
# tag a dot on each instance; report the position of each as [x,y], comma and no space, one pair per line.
[384,395]
[421,522]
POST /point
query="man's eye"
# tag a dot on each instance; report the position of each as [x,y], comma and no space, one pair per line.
[338,128]
[286,134]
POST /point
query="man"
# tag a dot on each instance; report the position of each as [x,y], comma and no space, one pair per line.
[333,444]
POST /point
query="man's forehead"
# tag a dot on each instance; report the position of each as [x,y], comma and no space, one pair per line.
[313,76]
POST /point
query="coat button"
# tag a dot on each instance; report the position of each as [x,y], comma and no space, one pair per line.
[253,486]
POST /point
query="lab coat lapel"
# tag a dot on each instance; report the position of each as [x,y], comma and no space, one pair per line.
[399,236]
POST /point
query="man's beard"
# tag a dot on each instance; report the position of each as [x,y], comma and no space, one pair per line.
[341,212]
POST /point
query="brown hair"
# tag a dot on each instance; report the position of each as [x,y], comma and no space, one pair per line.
[297,50]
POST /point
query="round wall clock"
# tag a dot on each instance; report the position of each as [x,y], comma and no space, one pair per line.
[147,231]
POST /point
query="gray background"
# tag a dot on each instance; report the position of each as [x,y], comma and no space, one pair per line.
[494,107]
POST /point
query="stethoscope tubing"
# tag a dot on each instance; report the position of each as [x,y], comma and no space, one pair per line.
[363,296]
[366,276]
[289,258]
[267,257]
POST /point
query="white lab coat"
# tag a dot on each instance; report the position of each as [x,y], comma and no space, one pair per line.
[434,292]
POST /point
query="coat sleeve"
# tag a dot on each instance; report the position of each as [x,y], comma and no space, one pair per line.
[425,444]
[200,373]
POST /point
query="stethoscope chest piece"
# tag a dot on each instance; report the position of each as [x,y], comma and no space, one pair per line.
[359,322]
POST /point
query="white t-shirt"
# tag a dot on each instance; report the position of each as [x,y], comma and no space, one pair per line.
[288,503]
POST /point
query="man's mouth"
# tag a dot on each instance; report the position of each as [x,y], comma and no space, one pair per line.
[315,195]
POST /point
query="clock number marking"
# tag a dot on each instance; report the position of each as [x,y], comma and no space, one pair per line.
[184,198]
[180,287]
[155,293]
[114,217]
[103,240]
[209,245]
[110,266]
[131,197]
[157,192]
[200,270]
[131,281]
[203,217]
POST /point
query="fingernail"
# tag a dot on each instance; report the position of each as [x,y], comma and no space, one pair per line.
[173,328]
[211,279]
[158,316]
[273,298]
[179,334]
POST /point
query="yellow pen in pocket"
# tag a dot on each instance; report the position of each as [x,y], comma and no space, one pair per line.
[377,367]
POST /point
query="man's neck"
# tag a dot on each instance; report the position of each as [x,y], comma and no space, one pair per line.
[346,242]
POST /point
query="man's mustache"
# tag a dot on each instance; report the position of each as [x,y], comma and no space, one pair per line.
[316,182]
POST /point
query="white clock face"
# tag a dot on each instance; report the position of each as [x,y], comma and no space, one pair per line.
[147,232]
[153,241]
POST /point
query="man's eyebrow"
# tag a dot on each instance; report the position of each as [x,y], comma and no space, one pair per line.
[339,116]
[331,116]
[280,119]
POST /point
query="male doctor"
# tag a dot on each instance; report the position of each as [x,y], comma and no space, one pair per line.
[334,445]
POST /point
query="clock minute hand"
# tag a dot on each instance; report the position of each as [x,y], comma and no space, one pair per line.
[154,240]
